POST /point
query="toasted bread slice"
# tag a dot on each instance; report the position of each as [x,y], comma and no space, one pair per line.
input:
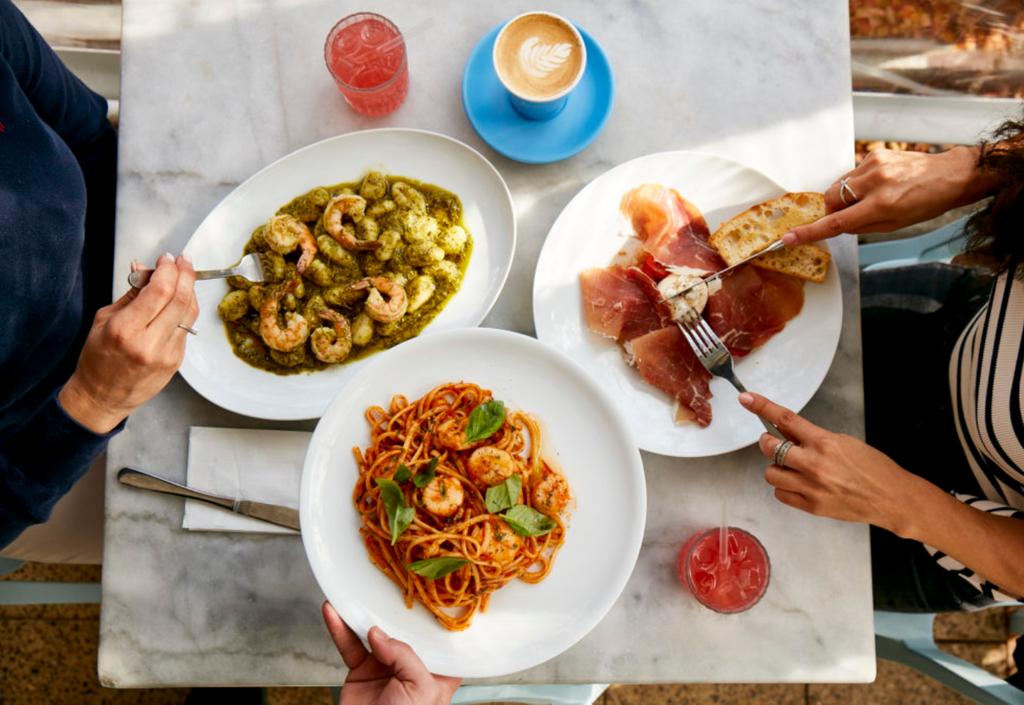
[761,225]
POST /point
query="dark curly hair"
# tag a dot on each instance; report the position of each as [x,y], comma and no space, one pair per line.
[996,230]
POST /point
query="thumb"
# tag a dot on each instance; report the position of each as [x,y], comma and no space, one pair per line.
[399,657]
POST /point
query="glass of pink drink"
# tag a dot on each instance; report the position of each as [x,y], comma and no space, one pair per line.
[365,54]
[726,586]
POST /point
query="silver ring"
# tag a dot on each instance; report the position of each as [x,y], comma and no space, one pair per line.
[779,455]
[844,189]
[190,331]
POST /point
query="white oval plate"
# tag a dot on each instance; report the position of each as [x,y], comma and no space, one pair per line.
[590,230]
[211,367]
[583,432]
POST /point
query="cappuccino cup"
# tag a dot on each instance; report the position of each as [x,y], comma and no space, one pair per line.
[539,58]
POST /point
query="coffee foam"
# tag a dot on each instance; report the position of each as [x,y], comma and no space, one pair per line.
[538,56]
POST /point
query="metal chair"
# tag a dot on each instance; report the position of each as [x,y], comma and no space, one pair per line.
[939,245]
[530,694]
[907,638]
[17,592]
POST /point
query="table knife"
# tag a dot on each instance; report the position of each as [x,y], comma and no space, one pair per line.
[777,245]
[272,513]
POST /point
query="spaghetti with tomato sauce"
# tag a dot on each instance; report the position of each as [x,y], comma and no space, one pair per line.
[456,500]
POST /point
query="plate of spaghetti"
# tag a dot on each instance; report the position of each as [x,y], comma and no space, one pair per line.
[475,494]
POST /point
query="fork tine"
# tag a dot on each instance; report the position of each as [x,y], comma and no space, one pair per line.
[692,339]
[711,335]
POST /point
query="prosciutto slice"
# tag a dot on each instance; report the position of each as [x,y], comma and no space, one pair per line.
[671,228]
[664,359]
[752,306]
[615,306]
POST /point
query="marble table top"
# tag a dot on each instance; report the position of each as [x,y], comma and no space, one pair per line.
[214,91]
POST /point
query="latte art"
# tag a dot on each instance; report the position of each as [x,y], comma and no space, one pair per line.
[538,56]
[540,60]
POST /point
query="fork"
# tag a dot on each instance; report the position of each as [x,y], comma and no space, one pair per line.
[250,267]
[715,357]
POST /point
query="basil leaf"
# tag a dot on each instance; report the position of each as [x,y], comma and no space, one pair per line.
[402,474]
[439,567]
[403,517]
[425,476]
[528,522]
[399,515]
[485,420]
[503,496]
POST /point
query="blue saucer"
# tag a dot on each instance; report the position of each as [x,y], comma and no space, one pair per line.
[534,142]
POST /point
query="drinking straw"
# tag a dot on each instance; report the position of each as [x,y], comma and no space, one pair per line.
[397,40]
[723,540]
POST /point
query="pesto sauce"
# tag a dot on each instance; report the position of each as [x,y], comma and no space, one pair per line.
[444,206]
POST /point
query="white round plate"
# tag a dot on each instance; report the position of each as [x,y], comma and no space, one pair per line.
[590,231]
[211,367]
[584,434]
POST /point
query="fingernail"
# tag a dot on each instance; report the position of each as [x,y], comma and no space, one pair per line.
[165,258]
[746,398]
[187,257]
[789,239]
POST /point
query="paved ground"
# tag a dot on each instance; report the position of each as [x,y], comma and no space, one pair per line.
[48,655]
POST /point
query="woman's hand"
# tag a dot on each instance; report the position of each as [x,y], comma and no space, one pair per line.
[895,189]
[835,475]
[134,348]
[391,675]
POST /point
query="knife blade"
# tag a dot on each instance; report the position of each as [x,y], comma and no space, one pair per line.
[777,245]
[272,513]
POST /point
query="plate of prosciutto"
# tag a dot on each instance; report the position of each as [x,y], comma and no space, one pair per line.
[640,222]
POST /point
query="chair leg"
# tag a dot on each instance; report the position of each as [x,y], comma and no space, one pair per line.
[29,593]
[9,565]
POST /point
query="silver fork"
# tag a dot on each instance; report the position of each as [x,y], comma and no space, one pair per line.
[250,267]
[715,357]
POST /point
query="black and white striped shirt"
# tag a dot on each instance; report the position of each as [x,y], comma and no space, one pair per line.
[985,372]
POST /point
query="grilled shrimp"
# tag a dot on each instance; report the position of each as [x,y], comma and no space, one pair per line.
[354,207]
[502,544]
[376,307]
[451,434]
[296,328]
[285,232]
[489,466]
[326,349]
[551,494]
[443,496]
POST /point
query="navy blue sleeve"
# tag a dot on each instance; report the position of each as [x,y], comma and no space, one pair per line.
[40,463]
[63,102]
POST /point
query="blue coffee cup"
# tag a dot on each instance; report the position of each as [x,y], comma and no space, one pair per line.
[540,104]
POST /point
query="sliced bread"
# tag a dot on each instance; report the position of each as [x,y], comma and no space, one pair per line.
[761,225]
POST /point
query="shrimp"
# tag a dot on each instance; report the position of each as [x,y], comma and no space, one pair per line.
[325,349]
[501,544]
[489,466]
[451,434]
[286,232]
[551,494]
[296,328]
[376,307]
[354,207]
[443,496]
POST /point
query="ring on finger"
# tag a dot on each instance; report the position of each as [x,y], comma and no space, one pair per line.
[846,193]
[779,454]
[188,329]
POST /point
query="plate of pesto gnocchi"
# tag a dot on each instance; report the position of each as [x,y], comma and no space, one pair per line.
[366,240]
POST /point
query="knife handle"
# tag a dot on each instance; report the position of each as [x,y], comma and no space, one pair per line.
[145,481]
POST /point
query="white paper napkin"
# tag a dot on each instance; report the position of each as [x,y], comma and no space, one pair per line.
[263,466]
